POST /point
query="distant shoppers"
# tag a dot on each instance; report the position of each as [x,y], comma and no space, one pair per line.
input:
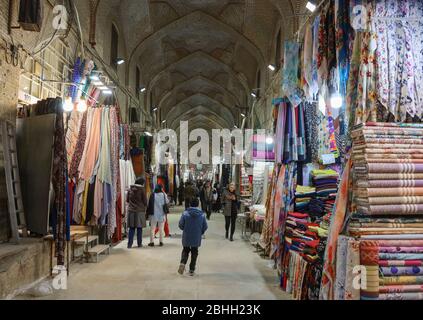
[193,223]
[181,193]
[230,210]
[216,198]
[206,198]
[137,205]
[156,213]
[191,193]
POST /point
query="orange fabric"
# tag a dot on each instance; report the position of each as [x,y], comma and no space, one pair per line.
[92,146]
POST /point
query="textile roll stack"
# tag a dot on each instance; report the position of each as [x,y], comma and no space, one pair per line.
[388,203]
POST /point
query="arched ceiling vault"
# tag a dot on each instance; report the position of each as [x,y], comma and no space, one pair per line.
[204,112]
[200,81]
[199,64]
[199,58]
[199,99]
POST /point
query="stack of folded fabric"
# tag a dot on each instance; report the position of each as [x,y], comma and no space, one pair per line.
[326,181]
[394,269]
[305,242]
[388,208]
[303,196]
[306,235]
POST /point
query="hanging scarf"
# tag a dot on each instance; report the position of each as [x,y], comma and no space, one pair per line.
[290,80]
[336,224]
[59,181]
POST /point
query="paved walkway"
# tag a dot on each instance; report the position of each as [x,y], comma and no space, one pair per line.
[226,270]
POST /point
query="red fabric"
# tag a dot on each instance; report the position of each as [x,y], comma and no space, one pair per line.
[166,229]
[71,189]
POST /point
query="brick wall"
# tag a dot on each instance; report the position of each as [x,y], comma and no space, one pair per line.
[9,74]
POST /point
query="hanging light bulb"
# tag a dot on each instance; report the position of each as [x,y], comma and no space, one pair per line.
[269,140]
[82,105]
[336,101]
[68,105]
[311,6]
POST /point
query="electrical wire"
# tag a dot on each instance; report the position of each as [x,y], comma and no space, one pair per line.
[47,44]
[44,47]
[80,30]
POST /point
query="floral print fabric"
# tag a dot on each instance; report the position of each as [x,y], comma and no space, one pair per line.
[400,56]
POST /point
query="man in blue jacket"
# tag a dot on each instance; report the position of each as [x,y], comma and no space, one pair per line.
[193,223]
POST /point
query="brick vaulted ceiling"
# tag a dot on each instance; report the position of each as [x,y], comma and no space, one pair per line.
[199,58]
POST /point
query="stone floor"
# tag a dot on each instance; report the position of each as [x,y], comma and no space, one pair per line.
[225,271]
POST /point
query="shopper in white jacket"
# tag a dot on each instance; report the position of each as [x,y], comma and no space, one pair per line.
[156,213]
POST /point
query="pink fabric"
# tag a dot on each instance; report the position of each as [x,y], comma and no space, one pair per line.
[92,146]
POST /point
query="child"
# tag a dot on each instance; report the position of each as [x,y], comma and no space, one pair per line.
[193,223]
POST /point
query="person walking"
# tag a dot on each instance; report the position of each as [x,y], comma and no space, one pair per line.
[181,193]
[216,197]
[230,210]
[207,198]
[137,205]
[193,223]
[156,211]
[191,192]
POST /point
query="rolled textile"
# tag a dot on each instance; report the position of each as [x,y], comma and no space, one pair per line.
[402,271]
[401,249]
[391,176]
[398,209]
[393,141]
[390,200]
[392,147]
[360,156]
[401,280]
[369,258]
[391,192]
[381,231]
[395,167]
[402,296]
[393,124]
[389,183]
[365,219]
[361,139]
[393,237]
[352,260]
[390,160]
[400,263]
[391,225]
[400,256]
[389,132]
[401,288]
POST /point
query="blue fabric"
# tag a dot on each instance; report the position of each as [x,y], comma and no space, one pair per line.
[193,223]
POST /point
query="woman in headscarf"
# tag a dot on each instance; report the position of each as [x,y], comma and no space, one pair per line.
[230,209]
[156,212]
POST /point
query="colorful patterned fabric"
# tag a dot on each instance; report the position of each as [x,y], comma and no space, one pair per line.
[290,81]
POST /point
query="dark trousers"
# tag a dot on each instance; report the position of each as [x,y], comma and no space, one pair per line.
[194,255]
[131,237]
[207,209]
[230,222]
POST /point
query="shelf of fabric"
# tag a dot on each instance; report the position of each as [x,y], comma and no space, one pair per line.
[387,219]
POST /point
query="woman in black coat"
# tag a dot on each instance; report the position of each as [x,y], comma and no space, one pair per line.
[230,209]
